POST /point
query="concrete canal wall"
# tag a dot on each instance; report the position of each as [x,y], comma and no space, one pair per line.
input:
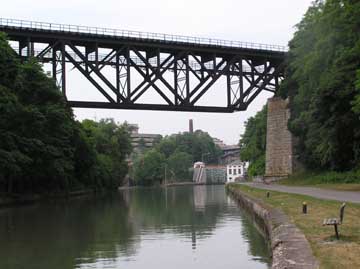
[289,247]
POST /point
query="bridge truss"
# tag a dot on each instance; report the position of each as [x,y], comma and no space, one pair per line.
[180,69]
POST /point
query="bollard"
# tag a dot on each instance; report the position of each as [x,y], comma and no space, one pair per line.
[304,208]
[268,194]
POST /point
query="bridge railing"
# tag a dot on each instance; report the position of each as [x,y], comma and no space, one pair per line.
[137,34]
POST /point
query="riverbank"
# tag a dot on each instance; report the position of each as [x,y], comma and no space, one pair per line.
[331,253]
[289,247]
[14,200]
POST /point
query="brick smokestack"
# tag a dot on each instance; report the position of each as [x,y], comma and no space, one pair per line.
[191,126]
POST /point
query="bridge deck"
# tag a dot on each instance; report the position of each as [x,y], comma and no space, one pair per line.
[181,69]
[109,38]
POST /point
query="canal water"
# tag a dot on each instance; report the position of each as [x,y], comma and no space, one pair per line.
[178,227]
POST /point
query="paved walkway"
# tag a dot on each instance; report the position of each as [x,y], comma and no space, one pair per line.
[343,196]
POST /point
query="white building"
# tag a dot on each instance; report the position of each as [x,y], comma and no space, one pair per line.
[199,172]
[236,171]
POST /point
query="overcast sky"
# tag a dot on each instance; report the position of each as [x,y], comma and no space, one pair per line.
[261,21]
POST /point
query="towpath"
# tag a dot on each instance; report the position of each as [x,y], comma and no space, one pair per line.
[343,196]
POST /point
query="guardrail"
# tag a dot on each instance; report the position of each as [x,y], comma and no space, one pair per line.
[137,34]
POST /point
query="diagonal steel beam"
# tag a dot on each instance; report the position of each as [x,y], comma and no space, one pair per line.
[147,78]
[108,58]
[47,49]
[96,71]
[212,82]
[186,62]
[217,67]
[93,81]
[151,83]
[155,70]
[253,85]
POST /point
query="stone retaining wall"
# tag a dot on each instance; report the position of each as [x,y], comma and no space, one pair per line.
[289,247]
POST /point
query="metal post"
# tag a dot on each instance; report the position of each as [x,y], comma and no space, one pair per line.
[63,70]
[128,77]
[28,47]
[336,231]
[228,77]
[241,77]
[96,56]
[117,70]
[187,78]
[176,79]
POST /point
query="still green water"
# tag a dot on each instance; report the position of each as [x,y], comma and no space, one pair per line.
[178,227]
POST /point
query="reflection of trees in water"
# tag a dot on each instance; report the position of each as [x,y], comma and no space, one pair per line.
[55,236]
[258,245]
[183,210]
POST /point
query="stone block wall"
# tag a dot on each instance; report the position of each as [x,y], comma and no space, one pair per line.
[279,140]
[215,175]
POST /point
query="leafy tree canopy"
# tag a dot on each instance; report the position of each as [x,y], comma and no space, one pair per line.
[323,85]
[253,143]
[42,147]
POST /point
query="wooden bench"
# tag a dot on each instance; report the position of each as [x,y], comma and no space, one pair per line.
[336,221]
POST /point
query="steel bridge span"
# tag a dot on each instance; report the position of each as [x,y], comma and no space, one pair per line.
[180,69]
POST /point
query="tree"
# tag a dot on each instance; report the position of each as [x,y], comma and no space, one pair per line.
[42,147]
[179,164]
[321,83]
[253,143]
[112,145]
[149,168]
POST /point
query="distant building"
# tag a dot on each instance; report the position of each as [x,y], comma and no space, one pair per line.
[199,173]
[231,153]
[140,141]
[236,171]
[219,142]
[212,174]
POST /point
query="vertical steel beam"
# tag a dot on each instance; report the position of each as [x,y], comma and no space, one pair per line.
[176,79]
[54,63]
[96,55]
[128,77]
[63,70]
[28,48]
[241,76]
[228,88]
[187,81]
[117,70]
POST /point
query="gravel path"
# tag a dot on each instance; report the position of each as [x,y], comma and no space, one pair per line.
[343,196]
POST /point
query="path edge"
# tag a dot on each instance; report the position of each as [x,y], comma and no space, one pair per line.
[289,246]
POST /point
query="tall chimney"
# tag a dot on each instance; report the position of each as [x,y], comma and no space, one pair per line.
[191,126]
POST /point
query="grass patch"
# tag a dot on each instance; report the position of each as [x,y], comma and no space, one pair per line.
[345,181]
[331,253]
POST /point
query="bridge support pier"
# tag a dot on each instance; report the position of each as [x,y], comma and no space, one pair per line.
[280,157]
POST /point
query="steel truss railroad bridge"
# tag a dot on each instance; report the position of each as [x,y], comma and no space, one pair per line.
[180,69]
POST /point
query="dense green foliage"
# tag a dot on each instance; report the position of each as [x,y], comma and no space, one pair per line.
[111,143]
[174,155]
[322,82]
[253,143]
[42,147]
[149,168]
